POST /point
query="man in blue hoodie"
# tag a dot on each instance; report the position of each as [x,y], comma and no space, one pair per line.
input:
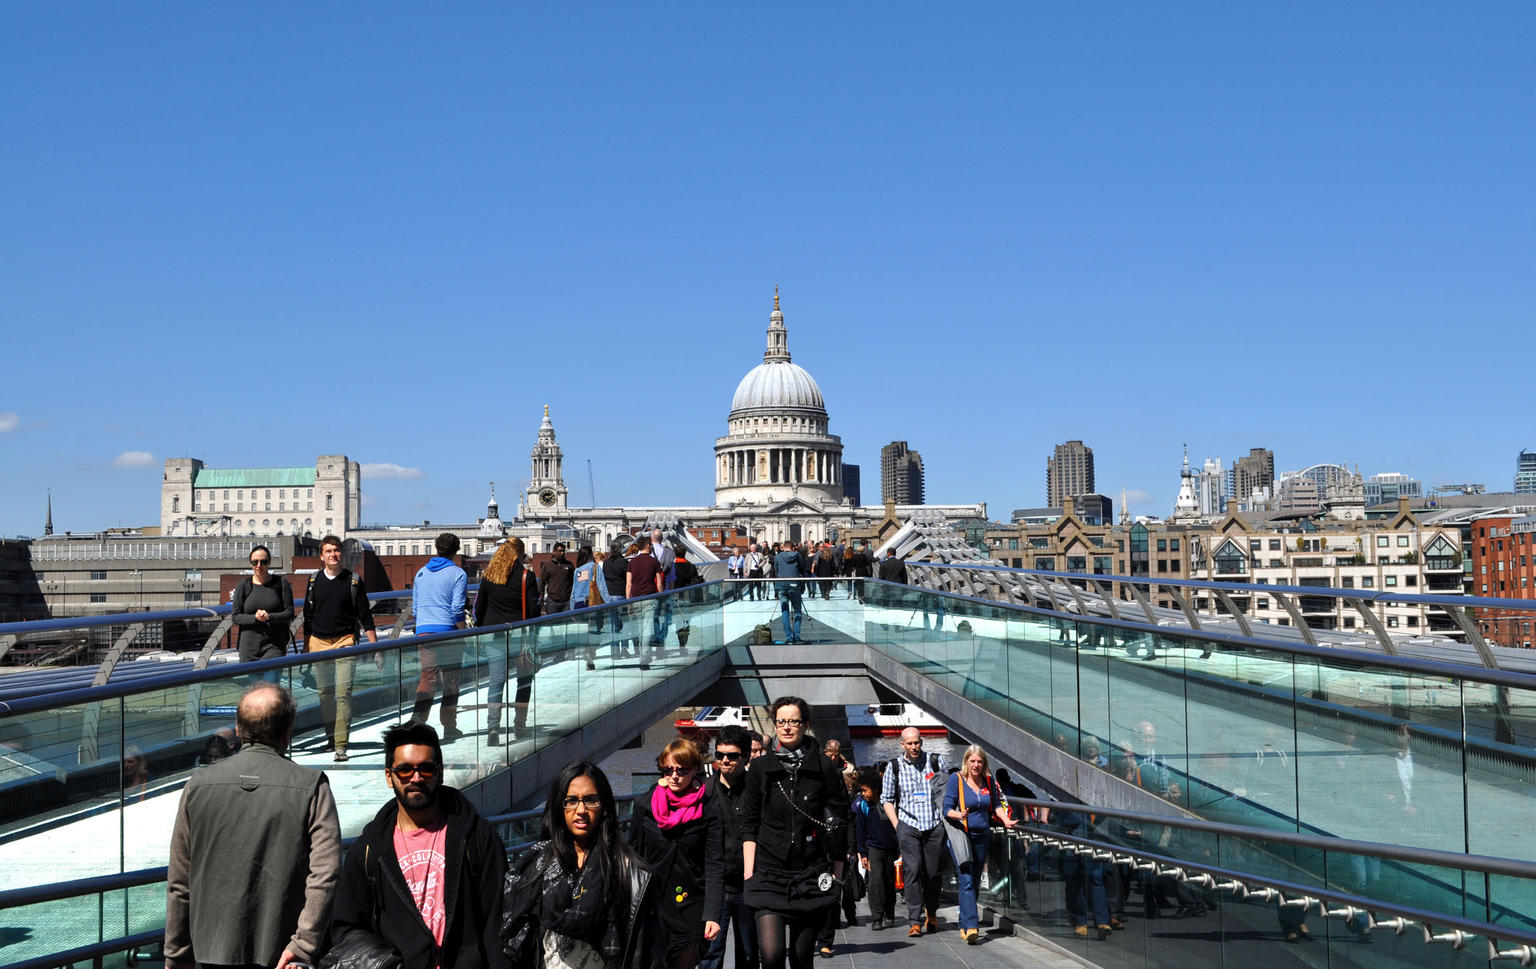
[437,602]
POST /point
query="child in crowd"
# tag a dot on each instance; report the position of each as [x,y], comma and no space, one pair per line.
[875,840]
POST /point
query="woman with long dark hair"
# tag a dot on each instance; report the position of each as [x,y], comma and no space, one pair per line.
[793,836]
[580,897]
[508,593]
[670,830]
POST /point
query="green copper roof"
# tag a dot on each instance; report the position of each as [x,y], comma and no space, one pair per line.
[254,478]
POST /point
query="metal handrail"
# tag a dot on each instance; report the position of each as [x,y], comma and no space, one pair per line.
[1463,671]
[1309,894]
[1483,602]
[109,691]
[37,894]
[120,618]
[1489,864]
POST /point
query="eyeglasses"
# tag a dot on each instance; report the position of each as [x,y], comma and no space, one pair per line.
[404,771]
[676,771]
[590,800]
[727,755]
[260,561]
[788,723]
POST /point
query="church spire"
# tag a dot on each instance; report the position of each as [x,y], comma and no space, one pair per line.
[778,336]
[48,524]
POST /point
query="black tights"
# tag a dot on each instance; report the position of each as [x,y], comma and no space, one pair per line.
[770,940]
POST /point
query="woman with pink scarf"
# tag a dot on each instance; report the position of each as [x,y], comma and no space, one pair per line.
[670,830]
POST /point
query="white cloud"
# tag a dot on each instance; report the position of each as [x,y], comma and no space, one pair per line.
[9,421]
[134,460]
[386,470]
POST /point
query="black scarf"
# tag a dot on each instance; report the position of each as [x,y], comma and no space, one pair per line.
[575,905]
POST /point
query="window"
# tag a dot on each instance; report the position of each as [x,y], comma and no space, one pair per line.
[268,494]
[269,506]
[282,506]
[1367,582]
[330,502]
[98,573]
[1045,563]
[1413,621]
[1411,581]
[1347,582]
[309,492]
[1402,541]
[1263,603]
[1102,565]
[1162,545]
[282,492]
[192,597]
[1162,565]
[197,505]
[194,574]
[1229,559]
[1173,545]
[1391,581]
[1381,541]
[1274,545]
[1013,545]
[1277,563]
[1077,563]
[1349,622]
[175,503]
[239,506]
[1392,622]
[1255,544]
[98,597]
[226,506]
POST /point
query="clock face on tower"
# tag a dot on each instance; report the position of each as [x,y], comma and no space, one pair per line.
[547,496]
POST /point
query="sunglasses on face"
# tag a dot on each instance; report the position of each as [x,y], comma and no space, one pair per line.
[728,755]
[260,561]
[676,771]
[404,771]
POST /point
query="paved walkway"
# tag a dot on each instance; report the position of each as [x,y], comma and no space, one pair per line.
[861,948]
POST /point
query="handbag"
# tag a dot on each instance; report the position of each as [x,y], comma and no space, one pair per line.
[958,834]
[362,948]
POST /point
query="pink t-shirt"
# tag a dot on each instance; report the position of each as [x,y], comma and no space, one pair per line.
[421,862]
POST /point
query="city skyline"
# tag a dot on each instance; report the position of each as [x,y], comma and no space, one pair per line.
[224,223]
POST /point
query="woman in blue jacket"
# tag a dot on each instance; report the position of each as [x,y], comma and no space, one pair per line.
[971,801]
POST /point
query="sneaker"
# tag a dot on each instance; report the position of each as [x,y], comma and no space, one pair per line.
[826,952]
[1104,932]
[915,930]
[971,936]
[1081,931]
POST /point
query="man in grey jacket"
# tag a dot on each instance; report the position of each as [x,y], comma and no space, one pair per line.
[255,853]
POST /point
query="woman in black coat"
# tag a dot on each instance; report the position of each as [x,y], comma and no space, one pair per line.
[793,837]
[670,830]
[508,593]
[580,896]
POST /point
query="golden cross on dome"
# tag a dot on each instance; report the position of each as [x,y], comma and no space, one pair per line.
[775,295]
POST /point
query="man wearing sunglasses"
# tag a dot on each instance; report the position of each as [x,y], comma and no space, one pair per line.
[262,609]
[425,875]
[722,856]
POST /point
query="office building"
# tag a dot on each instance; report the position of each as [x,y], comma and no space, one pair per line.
[1253,473]
[1068,472]
[1525,473]
[901,474]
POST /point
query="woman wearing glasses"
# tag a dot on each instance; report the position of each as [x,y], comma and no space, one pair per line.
[580,898]
[793,838]
[261,609]
[670,831]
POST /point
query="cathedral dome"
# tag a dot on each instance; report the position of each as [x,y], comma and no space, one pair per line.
[779,385]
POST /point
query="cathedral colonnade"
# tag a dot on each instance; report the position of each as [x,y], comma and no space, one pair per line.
[779,465]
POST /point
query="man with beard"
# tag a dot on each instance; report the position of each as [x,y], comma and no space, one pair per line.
[443,863]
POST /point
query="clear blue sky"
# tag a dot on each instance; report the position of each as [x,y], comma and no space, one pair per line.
[256,233]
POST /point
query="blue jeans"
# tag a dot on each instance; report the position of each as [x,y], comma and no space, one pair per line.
[968,880]
[790,606]
[1087,901]
[732,911]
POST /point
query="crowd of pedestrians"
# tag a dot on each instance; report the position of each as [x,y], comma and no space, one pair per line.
[766,852]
